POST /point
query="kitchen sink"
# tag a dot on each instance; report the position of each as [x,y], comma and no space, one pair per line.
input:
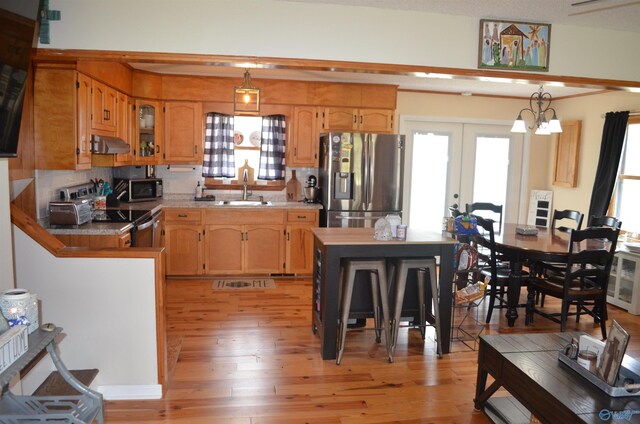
[244,203]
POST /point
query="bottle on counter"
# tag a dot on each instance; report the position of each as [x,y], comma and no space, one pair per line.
[198,190]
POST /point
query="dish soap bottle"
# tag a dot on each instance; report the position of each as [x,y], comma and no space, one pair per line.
[198,191]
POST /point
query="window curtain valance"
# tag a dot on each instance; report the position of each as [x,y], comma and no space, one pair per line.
[219,159]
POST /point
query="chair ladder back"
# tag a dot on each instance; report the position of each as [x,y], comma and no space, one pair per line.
[567,214]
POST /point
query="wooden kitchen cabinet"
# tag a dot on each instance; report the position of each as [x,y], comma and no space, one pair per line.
[224,252]
[354,119]
[244,241]
[62,119]
[183,133]
[125,115]
[299,241]
[96,240]
[183,244]
[148,135]
[305,137]
[104,100]
[183,241]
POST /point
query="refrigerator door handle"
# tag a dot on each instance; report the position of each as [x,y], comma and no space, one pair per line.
[358,218]
[366,178]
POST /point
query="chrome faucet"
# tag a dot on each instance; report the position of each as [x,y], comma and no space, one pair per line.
[245,182]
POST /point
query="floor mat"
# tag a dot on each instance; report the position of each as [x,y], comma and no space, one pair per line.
[244,283]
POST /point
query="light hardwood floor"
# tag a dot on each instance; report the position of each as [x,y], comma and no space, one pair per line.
[248,356]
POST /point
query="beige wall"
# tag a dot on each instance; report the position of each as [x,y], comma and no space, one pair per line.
[477,109]
[588,109]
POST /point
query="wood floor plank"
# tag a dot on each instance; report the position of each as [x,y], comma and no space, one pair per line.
[249,357]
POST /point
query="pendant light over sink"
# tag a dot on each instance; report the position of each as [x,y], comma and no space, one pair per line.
[542,125]
[246,100]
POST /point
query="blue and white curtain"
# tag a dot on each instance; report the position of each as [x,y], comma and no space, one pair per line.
[272,148]
[219,159]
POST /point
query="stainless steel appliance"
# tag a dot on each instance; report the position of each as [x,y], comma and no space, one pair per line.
[311,190]
[145,229]
[70,212]
[360,178]
[139,189]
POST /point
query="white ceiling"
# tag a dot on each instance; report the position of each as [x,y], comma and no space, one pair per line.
[612,14]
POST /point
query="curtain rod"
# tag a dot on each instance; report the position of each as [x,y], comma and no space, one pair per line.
[631,113]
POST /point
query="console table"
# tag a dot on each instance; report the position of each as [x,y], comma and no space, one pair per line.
[527,366]
[86,407]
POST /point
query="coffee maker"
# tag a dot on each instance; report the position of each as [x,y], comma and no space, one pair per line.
[311,190]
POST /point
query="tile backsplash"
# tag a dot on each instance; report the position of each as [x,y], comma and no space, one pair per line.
[48,183]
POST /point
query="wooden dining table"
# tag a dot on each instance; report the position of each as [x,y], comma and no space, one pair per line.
[332,245]
[547,245]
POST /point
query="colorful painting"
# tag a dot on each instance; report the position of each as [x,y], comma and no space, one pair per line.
[518,46]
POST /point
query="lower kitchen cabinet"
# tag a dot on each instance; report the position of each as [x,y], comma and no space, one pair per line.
[299,241]
[183,244]
[92,240]
[183,241]
[237,241]
[223,249]
[243,249]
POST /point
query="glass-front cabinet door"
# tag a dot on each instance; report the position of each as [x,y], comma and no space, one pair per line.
[624,281]
[148,149]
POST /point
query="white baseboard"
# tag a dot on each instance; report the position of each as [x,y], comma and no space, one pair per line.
[152,391]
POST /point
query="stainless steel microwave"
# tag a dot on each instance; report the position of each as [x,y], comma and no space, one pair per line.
[139,189]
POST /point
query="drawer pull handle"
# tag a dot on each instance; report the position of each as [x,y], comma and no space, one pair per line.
[302,216]
[182,215]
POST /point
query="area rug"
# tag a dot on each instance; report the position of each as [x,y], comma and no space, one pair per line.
[244,283]
[174,345]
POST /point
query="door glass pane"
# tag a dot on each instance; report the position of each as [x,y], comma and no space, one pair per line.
[491,171]
[428,180]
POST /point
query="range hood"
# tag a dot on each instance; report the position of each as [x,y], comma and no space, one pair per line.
[107,145]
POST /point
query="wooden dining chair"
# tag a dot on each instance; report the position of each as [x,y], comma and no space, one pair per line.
[477,208]
[582,283]
[604,221]
[563,216]
[497,271]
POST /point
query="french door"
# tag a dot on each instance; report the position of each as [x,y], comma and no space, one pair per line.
[459,163]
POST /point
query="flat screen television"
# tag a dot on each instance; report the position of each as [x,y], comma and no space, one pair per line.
[18,36]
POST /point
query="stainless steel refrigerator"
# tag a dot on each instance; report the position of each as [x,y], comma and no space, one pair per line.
[360,178]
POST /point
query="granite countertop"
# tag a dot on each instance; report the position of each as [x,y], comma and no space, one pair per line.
[116,228]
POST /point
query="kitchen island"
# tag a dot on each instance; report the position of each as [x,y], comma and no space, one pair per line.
[331,245]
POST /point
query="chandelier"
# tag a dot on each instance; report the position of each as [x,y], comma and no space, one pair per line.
[543,126]
[246,99]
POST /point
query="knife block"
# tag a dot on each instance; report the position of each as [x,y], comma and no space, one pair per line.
[112,200]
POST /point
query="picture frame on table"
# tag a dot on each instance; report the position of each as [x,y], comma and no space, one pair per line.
[515,46]
[613,354]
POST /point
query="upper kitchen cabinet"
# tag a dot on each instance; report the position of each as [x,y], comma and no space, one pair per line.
[62,119]
[184,133]
[104,107]
[357,107]
[148,136]
[303,150]
[353,119]
[125,116]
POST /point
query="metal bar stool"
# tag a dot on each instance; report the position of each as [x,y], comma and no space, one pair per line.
[422,266]
[379,294]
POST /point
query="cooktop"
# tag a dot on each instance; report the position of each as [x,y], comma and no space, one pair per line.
[120,215]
